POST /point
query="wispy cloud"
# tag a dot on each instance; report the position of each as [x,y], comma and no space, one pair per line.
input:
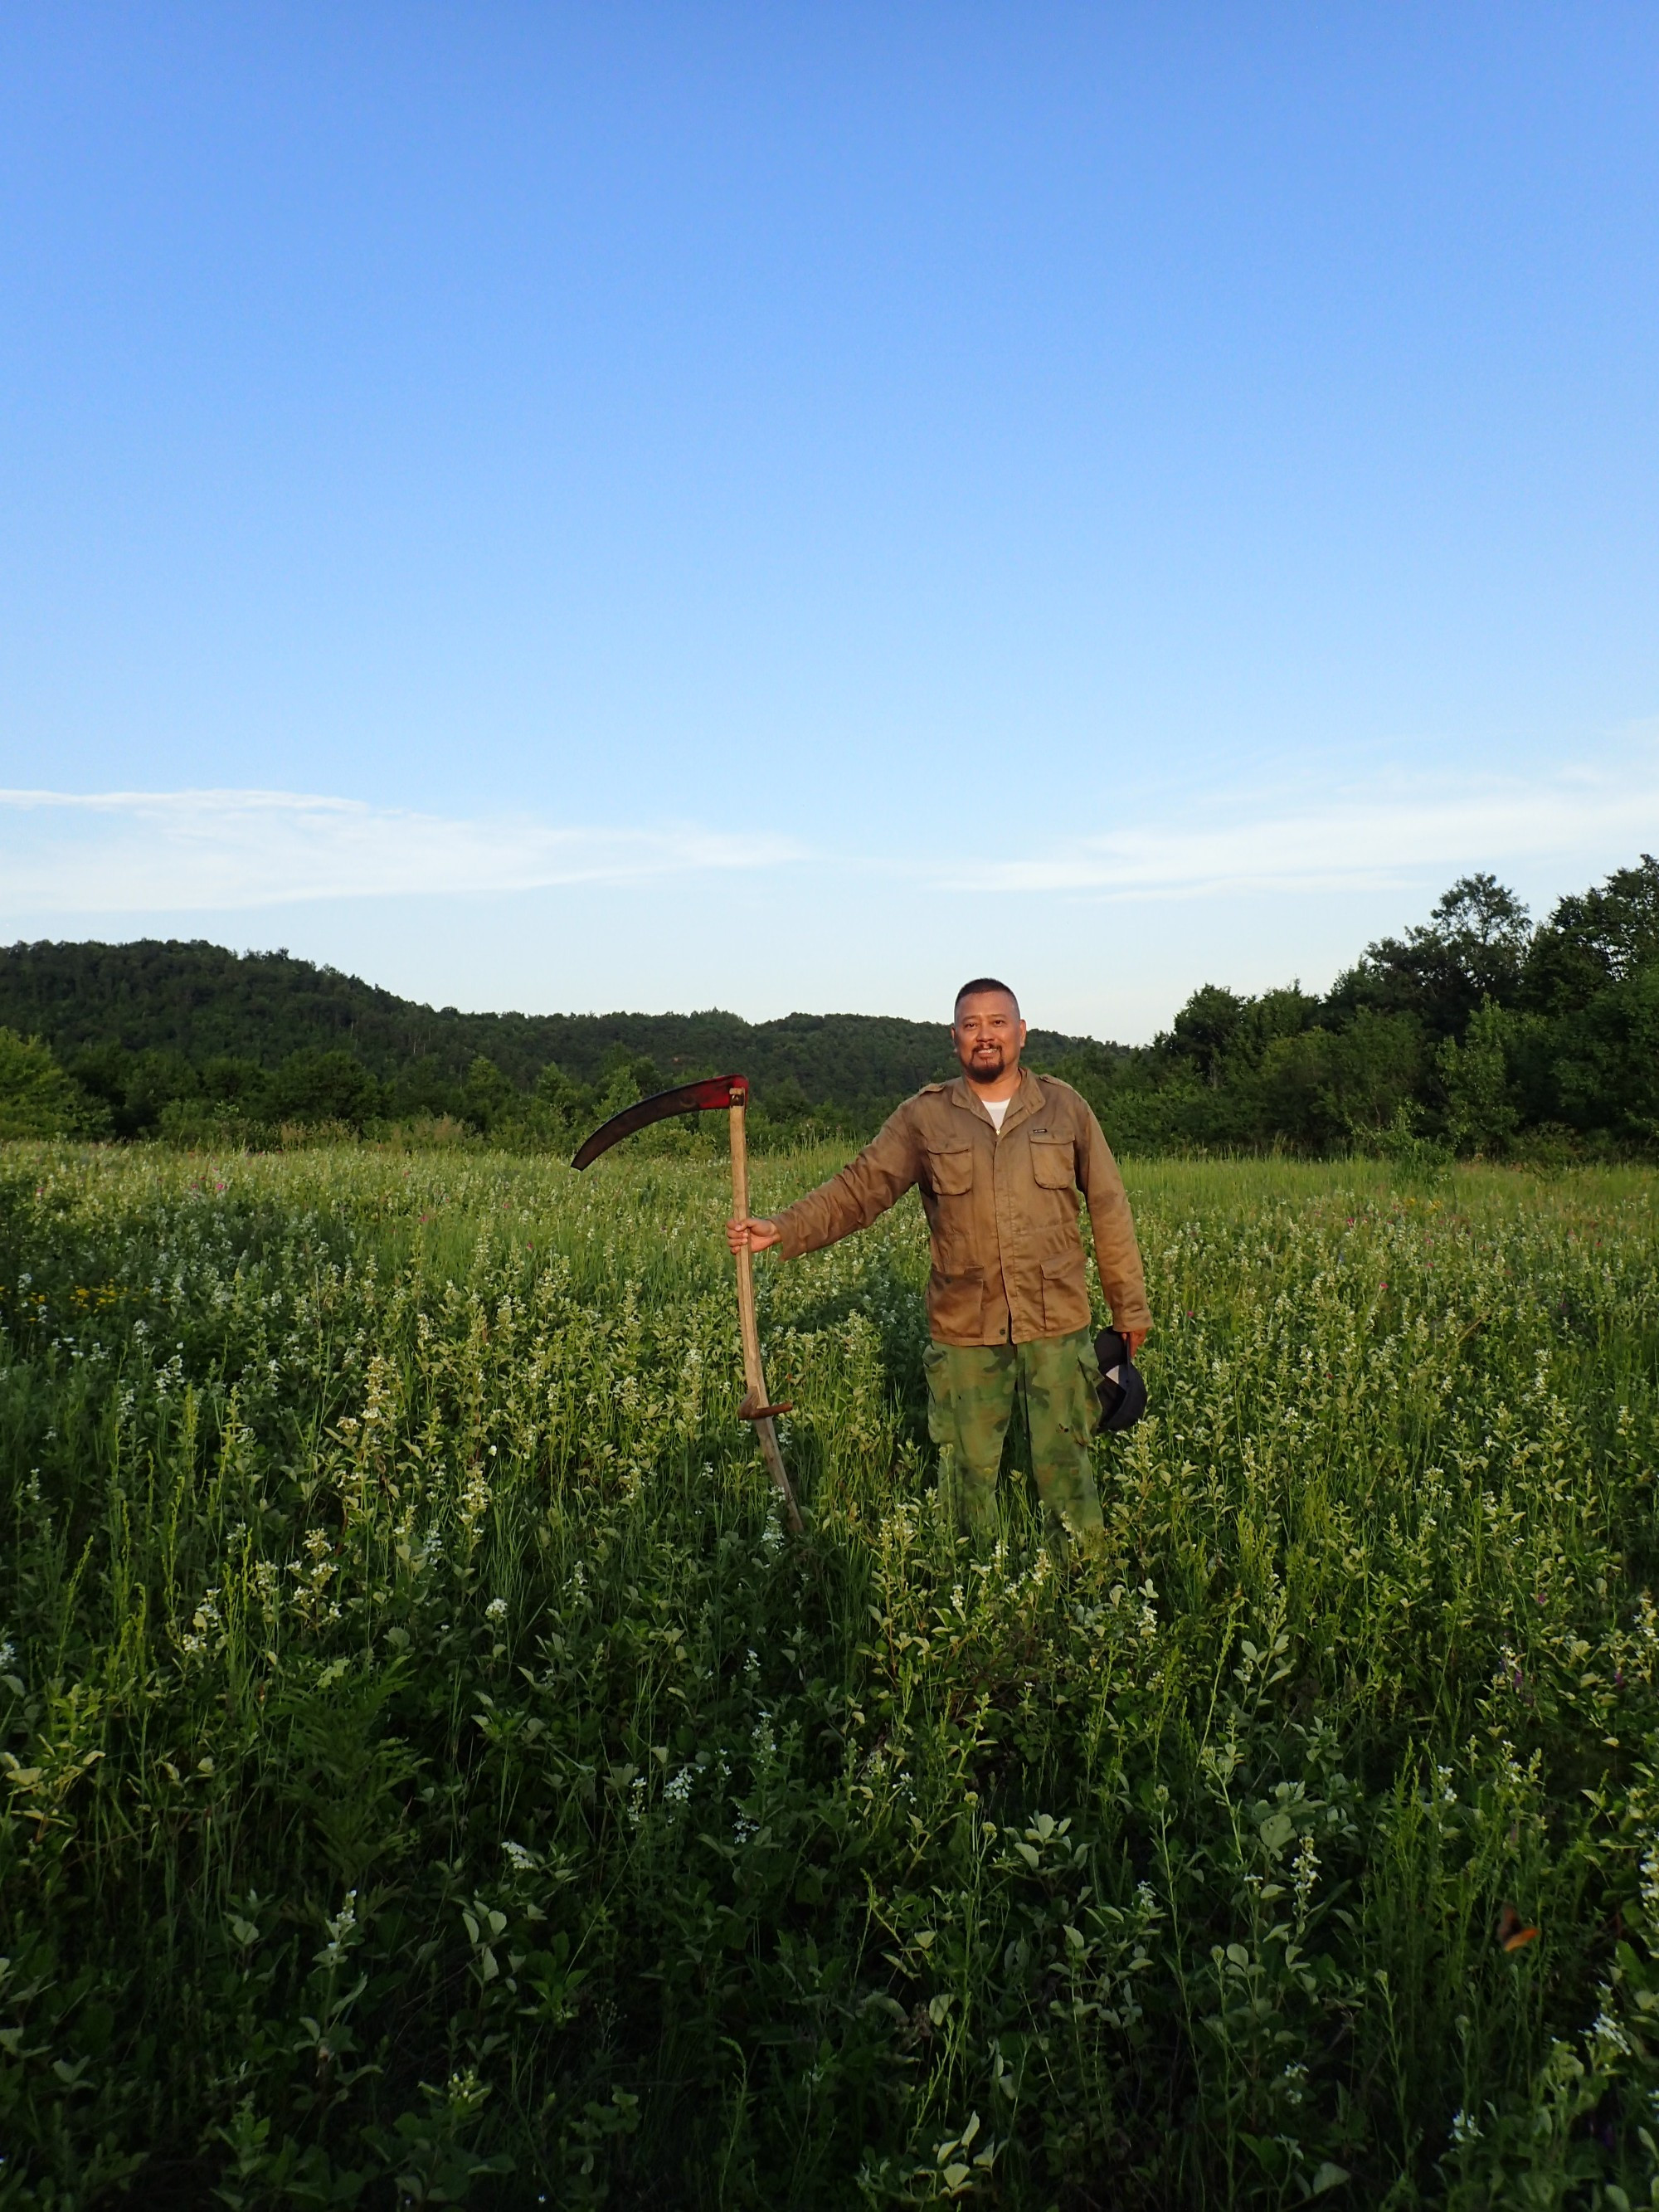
[1385,835]
[135,853]
[128,852]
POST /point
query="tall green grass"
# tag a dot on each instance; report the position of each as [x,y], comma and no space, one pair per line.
[434,1776]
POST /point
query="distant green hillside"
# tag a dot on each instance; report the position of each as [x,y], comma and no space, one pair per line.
[1477,1033]
[199,1003]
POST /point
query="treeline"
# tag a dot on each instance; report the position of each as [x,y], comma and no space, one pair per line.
[1475,1034]
[106,1092]
[193,1044]
[201,1003]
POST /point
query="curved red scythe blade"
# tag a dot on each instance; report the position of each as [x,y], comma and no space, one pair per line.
[663,1106]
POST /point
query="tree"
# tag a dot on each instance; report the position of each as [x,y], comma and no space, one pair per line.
[425,1086]
[1293,1090]
[566,1101]
[38,1098]
[1375,1063]
[324,1087]
[1607,1059]
[1204,1031]
[1596,937]
[490,1098]
[230,1080]
[1474,947]
[136,1087]
[628,1077]
[1328,1088]
[1480,1112]
[786,1103]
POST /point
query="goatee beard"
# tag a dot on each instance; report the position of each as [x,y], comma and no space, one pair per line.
[985,1067]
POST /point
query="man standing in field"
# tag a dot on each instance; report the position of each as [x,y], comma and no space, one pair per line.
[1000,1157]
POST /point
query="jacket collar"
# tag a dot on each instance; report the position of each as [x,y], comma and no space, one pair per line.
[1028,1099]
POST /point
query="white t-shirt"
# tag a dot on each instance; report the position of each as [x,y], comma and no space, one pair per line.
[996,1108]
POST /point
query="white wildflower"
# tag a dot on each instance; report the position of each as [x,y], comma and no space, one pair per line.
[1306,1874]
[339,1930]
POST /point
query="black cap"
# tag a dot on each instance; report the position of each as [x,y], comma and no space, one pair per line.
[1122,1385]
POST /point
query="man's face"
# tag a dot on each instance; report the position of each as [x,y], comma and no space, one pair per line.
[988,1034]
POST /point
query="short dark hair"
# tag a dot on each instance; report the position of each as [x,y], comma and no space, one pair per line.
[983,983]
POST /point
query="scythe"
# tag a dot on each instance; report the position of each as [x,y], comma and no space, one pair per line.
[731,1092]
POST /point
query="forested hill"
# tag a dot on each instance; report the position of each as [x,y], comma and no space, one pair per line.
[201,1003]
[1479,1031]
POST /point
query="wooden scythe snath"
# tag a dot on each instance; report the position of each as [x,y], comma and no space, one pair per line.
[731,1092]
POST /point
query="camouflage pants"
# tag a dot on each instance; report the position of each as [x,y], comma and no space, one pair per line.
[970,1397]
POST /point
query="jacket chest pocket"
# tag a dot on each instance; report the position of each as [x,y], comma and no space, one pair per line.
[951,1174]
[1053,1164]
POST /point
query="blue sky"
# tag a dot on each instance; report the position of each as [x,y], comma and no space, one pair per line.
[785,506]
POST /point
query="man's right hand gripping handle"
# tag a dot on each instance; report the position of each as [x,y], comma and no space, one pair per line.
[753,1235]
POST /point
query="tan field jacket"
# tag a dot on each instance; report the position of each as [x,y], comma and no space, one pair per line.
[1002,1210]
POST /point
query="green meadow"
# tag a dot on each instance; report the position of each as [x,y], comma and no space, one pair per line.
[433,1776]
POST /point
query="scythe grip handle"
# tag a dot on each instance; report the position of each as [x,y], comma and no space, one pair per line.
[753,1374]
